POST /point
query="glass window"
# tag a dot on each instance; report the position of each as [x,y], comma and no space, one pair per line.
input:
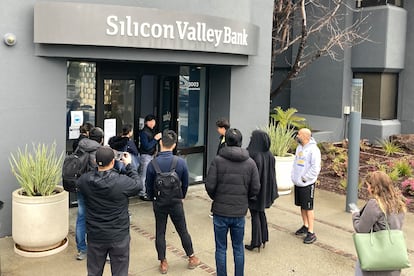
[119,100]
[81,95]
[379,96]
[372,3]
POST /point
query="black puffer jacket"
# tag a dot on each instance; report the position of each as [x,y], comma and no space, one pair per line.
[231,180]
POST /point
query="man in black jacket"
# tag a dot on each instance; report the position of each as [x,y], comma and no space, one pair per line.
[106,195]
[148,146]
[232,180]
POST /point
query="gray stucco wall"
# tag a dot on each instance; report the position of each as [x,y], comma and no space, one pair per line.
[250,85]
[33,93]
[32,97]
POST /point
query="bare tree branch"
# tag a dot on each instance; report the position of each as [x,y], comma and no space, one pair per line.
[323,33]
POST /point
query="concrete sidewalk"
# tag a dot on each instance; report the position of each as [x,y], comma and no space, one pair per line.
[285,254]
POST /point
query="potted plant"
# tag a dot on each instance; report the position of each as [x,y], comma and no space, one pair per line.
[282,130]
[40,207]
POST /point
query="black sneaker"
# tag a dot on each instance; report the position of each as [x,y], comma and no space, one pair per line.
[310,238]
[302,230]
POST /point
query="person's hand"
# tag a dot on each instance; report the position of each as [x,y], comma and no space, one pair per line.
[126,158]
[157,136]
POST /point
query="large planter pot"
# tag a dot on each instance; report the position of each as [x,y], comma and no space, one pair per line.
[40,224]
[283,167]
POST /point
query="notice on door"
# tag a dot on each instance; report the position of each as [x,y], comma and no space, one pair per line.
[109,129]
[76,120]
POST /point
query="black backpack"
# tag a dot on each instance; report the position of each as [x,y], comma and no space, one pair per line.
[167,185]
[74,166]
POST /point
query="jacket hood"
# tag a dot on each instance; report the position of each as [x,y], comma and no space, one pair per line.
[118,142]
[311,142]
[259,142]
[89,145]
[236,154]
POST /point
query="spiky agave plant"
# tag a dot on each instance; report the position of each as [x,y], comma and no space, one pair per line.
[39,170]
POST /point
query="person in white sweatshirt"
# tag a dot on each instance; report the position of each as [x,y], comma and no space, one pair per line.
[305,171]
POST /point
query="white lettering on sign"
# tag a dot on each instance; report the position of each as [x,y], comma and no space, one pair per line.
[193,84]
[198,32]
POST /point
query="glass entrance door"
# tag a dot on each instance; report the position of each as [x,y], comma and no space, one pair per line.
[119,103]
[191,120]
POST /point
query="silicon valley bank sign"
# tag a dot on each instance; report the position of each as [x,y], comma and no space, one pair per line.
[122,26]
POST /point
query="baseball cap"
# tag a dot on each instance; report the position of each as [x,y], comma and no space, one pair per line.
[104,156]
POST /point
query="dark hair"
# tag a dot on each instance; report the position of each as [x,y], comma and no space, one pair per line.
[85,128]
[126,129]
[169,138]
[96,134]
[149,117]
[222,122]
[233,137]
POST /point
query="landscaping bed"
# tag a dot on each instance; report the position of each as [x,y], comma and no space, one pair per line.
[399,165]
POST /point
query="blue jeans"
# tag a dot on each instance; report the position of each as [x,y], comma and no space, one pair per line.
[144,160]
[221,228]
[81,225]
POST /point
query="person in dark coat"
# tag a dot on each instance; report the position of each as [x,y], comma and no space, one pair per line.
[222,126]
[232,179]
[106,194]
[84,133]
[124,143]
[259,151]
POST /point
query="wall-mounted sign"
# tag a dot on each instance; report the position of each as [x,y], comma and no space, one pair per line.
[122,26]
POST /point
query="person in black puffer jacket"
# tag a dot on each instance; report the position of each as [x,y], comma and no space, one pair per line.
[232,180]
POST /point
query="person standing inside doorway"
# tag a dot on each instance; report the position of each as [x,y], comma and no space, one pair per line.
[148,146]
[222,126]
[305,171]
[232,180]
[168,198]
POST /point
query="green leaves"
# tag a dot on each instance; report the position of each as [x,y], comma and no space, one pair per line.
[281,138]
[287,118]
[38,171]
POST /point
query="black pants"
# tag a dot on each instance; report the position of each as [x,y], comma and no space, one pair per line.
[176,213]
[118,252]
[260,232]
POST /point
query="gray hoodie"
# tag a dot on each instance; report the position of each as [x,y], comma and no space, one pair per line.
[307,164]
[90,146]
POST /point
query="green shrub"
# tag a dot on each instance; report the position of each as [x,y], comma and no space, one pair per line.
[403,167]
[389,147]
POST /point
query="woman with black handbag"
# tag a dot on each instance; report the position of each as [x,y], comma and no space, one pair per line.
[386,207]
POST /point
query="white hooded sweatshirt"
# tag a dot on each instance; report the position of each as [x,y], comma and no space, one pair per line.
[307,164]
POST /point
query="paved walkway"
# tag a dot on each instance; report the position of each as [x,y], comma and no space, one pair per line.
[285,254]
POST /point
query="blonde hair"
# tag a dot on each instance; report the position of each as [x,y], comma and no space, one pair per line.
[389,198]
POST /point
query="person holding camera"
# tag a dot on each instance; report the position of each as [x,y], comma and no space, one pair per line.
[106,194]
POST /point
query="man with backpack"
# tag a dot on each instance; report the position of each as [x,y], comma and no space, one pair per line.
[167,184]
[89,146]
